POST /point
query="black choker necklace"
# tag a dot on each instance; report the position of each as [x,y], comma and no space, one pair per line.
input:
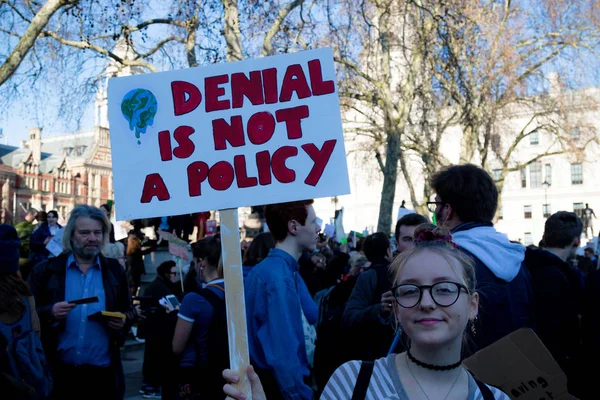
[431,366]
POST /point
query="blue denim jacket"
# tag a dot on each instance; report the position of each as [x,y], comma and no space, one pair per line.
[275,333]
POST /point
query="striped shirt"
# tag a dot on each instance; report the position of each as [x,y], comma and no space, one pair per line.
[385,383]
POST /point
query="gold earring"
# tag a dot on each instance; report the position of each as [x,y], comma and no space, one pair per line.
[473,330]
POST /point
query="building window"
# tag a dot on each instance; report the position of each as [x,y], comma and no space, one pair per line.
[548,174]
[496,174]
[578,209]
[528,239]
[546,210]
[575,133]
[523,178]
[527,212]
[534,137]
[576,174]
[535,174]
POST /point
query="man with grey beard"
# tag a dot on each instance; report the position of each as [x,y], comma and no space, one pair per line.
[81,344]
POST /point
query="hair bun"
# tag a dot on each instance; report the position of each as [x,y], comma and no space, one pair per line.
[427,234]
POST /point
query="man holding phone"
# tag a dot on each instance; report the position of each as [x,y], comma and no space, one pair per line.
[84,352]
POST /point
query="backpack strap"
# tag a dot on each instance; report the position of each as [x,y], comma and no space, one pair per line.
[486,392]
[216,287]
[217,305]
[210,296]
[362,382]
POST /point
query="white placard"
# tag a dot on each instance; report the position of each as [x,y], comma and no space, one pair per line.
[229,135]
[55,245]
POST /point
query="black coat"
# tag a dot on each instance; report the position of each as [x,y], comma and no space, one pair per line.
[557,293]
[47,282]
[157,324]
[135,268]
[504,307]
[361,317]
[36,244]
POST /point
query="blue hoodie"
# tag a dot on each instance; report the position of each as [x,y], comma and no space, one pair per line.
[503,281]
[275,333]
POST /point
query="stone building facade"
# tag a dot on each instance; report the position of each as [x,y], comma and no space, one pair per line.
[55,173]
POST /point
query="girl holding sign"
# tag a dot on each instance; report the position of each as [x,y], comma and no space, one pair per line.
[42,236]
[435,303]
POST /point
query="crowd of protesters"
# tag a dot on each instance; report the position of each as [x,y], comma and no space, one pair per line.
[376,317]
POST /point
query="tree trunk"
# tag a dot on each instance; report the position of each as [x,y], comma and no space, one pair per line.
[390,175]
[26,42]
[468,144]
[232,31]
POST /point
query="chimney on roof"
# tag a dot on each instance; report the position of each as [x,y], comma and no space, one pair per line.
[22,144]
[35,144]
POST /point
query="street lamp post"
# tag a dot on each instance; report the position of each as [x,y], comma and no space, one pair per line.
[546,185]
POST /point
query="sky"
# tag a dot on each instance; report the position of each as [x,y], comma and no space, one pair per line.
[21,115]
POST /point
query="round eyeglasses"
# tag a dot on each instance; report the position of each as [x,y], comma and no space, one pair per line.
[444,293]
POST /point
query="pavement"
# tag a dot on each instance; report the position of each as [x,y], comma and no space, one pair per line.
[132,357]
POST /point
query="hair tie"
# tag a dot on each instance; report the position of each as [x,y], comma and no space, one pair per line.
[431,236]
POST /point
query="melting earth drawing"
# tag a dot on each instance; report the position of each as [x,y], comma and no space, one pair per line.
[139,107]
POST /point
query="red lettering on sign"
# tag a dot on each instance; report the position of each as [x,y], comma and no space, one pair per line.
[180,90]
[270,85]
[320,159]
[294,80]
[164,144]
[261,127]
[197,173]
[154,186]
[220,176]
[292,117]
[263,164]
[251,88]
[241,173]
[213,91]
[185,146]
[224,132]
[282,173]
[318,86]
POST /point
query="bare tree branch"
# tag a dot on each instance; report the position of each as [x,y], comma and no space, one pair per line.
[283,13]
[88,46]
[36,26]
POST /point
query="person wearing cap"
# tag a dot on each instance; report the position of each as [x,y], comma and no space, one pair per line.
[12,292]
[82,345]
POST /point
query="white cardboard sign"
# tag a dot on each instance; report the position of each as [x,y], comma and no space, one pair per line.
[55,245]
[227,135]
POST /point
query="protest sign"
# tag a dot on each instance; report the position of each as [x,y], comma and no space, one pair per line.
[522,367]
[55,246]
[178,247]
[225,136]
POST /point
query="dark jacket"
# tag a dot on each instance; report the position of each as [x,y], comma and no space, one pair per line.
[157,324]
[505,305]
[361,317]
[556,294]
[160,364]
[135,268]
[47,283]
[38,248]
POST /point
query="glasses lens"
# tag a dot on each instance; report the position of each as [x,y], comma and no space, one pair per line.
[432,207]
[445,293]
[407,295]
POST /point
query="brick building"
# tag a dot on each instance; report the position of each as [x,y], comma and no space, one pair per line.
[55,173]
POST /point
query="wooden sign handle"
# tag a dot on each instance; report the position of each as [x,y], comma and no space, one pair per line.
[239,358]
